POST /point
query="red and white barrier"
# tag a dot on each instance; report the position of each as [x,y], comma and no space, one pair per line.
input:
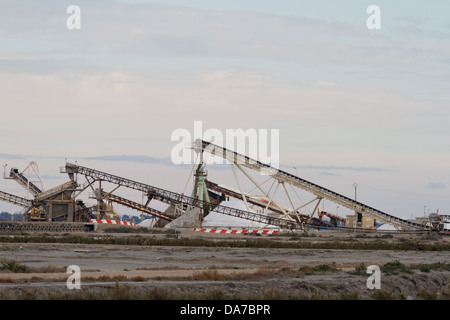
[236,231]
[112,222]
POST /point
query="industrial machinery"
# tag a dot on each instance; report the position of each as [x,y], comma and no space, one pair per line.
[55,204]
[287,180]
[262,203]
[444,224]
[334,219]
[175,200]
[281,205]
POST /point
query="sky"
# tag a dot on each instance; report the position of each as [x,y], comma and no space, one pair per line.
[352,104]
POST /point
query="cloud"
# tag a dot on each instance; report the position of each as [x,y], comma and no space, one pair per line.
[132,158]
[12,156]
[339,168]
[331,174]
[162,31]
[435,185]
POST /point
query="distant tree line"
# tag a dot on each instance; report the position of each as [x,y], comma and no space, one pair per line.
[6,216]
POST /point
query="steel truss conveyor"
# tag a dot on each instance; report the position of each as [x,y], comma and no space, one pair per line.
[22,180]
[135,205]
[318,191]
[179,199]
[262,203]
[19,201]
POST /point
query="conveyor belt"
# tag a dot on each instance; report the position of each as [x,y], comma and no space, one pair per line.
[22,180]
[137,206]
[7,197]
[177,198]
[313,188]
[235,194]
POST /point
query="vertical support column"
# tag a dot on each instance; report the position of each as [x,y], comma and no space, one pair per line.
[50,211]
[200,191]
[315,209]
[70,211]
[98,195]
[357,221]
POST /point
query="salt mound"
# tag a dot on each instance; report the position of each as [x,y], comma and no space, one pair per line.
[386,227]
[146,223]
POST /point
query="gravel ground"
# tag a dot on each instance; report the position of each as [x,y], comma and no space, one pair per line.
[172,268]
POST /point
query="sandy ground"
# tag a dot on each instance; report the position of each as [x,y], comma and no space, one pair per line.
[174,267]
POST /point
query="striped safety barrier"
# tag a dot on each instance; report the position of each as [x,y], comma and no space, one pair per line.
[236,231]
[112,222]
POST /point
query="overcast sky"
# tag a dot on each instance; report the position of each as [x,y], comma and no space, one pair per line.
[352,104]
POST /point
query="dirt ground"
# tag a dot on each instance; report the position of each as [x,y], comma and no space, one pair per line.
[254,273]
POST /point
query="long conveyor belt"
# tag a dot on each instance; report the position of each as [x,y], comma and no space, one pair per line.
[313,188]
[180,199]
[137,206]
[7,197]
[22,180]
